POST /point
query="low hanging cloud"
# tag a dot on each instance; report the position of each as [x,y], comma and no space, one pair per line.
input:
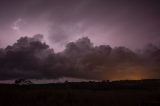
[30,57]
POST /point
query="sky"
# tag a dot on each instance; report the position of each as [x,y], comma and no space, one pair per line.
[80,39]
[129,23]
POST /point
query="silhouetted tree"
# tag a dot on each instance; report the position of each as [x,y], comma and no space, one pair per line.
[23,82]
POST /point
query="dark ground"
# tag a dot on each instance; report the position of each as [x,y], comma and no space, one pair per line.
[49,95]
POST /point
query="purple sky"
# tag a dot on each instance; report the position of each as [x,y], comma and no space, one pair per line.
[130,23]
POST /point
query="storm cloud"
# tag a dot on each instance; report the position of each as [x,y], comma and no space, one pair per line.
[30,57]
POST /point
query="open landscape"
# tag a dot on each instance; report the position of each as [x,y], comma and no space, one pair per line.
[121,93]
[79,52]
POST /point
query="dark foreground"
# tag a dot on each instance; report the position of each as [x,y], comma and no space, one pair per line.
[63,95]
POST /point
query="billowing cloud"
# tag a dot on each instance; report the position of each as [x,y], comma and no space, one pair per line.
[30,57]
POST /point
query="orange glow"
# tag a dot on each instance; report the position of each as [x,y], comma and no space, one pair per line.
[127,76]
[128,73]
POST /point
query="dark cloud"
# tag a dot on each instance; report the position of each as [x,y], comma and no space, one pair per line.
[30,57]
[25,57]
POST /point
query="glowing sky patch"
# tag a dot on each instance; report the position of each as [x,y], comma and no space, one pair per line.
[16,26]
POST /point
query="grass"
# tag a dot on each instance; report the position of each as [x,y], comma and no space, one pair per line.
[45,95]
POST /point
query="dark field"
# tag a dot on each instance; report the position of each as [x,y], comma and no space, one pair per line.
[49,95]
